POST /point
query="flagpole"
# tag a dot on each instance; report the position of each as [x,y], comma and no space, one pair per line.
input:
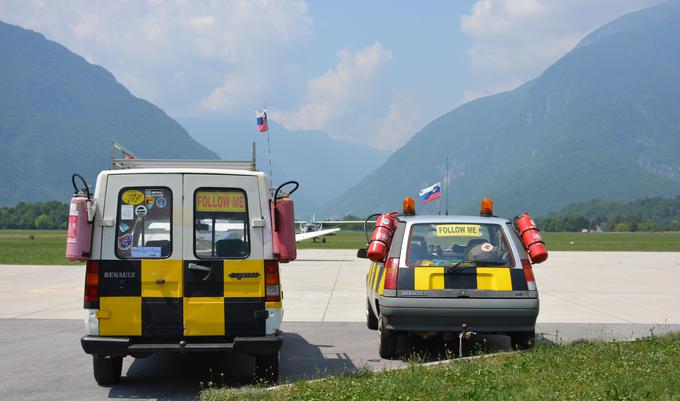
[446,182]
[269,148]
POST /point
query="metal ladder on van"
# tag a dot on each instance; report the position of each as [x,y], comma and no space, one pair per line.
[122,159]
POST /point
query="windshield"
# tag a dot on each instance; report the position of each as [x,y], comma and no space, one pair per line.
[449,244]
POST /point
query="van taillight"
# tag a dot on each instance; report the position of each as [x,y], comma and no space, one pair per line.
[529,275]
[272,284]
[92,284]
[391,273]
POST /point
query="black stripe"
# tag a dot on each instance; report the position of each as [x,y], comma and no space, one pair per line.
[460,277]
[199,283]
[406,279]
[120,278]
[380,273]
[241,317]
[162,317]
[519,282]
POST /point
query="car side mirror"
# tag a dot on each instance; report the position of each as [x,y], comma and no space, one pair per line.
[362,253]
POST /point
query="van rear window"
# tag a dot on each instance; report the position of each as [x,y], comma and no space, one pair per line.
[221,224]
[144,224]
[446,244]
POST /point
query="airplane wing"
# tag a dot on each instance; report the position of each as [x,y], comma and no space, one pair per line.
[314,234]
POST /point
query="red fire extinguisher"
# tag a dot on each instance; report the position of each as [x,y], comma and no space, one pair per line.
[283,224]
[80,217]
[531,237]
[382,236]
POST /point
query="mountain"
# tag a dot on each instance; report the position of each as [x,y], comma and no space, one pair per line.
[325,167]
[58,114]
[601,122]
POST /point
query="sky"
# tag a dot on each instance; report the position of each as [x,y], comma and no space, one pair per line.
[371,72]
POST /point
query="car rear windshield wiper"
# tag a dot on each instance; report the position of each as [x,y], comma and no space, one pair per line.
[473,263]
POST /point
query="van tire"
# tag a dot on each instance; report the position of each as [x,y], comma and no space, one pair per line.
[267,368]
[371,320]
[107,369]
[387,340]
[523,340]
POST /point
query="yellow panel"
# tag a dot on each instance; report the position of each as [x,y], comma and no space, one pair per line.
[494,278]
[428,278]
[170,271]
[120,316]
[273,305]
[244,287]
[374,274]
[204,316]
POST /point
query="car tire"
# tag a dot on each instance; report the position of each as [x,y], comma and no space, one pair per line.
[387,340]
[523,340]
[107,369]
[267,368]
[371,320]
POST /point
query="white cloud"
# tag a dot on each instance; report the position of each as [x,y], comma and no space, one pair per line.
[515,40]
[210,44]
[351,100]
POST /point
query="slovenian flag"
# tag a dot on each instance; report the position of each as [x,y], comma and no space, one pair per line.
[429,194]
[262,120]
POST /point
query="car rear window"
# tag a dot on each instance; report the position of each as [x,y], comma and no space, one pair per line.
[446,244]
[221,223]
[144,229]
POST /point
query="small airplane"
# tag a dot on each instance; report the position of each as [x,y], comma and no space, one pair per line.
[313,230]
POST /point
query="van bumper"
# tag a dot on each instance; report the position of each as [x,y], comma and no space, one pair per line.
[483,315]
[121,346]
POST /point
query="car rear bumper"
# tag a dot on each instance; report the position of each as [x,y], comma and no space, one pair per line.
[261,345]
[484,315]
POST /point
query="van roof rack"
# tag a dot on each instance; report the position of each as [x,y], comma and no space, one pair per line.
[122,159]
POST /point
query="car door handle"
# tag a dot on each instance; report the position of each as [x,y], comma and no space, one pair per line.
[194,266]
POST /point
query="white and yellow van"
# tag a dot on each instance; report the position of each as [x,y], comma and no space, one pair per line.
[182,260]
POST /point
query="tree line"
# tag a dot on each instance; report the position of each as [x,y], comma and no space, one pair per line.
[649,214]
[40,216]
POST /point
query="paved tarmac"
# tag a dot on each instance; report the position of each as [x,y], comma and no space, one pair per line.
[584,295]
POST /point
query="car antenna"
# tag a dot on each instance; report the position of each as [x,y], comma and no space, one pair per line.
[446,182]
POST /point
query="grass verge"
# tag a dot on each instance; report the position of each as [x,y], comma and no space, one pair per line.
[46,248]
[645,369]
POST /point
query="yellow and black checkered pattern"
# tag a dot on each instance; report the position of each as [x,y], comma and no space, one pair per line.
[432,278]
[169,298]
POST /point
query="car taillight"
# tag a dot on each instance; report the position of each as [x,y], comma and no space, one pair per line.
[529,275]
[92,284]
[272,284]
[391,273]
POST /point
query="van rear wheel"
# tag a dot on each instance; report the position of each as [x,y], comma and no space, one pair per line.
[371,320]
[267,368]
[107,369]
[387,340]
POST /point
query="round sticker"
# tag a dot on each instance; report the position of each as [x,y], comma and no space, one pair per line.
[140,210]
[486,247]
[125,241]
[132,197]
[161,202]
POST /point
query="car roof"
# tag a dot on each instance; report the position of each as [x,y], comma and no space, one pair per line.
[439,219]
[179,170]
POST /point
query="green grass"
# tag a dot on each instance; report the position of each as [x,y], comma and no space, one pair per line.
[638,241]
[641,370]
[47,248]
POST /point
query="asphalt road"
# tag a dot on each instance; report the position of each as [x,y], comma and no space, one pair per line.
[584,295]
[42,359]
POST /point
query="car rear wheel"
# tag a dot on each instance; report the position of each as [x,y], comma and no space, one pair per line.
[267,368]
[107,369]
[387,340]
[523,340]
[371,320]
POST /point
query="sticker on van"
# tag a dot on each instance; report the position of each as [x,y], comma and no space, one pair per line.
[132,197]
[146,252]
[211,201]
[457,230]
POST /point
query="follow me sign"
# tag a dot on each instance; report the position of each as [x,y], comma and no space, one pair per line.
[458,230]
[210,201]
